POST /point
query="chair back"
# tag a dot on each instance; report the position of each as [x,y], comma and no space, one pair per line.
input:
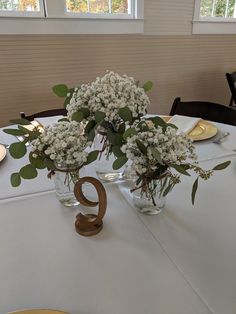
[205,110]
[43,114]
[231,79]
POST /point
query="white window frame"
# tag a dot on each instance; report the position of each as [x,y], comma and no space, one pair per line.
[40,13]
[212,25]
[129,15]
[58,21]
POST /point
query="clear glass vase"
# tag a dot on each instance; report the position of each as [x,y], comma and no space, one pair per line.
[103,165]
[64,180]
[147,205]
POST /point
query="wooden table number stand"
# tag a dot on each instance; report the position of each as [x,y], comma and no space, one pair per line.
[90,224]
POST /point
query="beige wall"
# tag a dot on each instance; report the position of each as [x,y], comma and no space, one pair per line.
[178,63]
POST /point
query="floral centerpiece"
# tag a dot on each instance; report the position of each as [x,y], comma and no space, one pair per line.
[112,106]
[61,148]
[107,107]
[160,156]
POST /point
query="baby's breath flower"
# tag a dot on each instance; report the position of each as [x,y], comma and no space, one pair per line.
[108,94]
[63,143]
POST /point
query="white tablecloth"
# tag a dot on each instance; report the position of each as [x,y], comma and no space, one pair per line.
[181,261]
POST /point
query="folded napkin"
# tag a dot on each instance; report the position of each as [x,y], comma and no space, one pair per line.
[184,124]
[48,120]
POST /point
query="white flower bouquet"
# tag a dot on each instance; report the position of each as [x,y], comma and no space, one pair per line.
[60,147]
[108,95]
[106,106]
[157,152]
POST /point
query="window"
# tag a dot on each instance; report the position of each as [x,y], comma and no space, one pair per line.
[99,6]
[71,16]
[218,8]
[214,17]
[21,8]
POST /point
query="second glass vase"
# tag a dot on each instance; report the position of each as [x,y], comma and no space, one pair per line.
[103,164]
[147,205]
[64,180]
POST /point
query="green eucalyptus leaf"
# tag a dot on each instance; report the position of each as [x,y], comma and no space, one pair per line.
[91,135]
[99,116]
[111,136]
[222,165]
[129,132]
[61,90]
[17,150]
[148,86]
[167,190]
[118,139]
[172,126]
[92,156]
[28,172]
[156,154]
[143,126]
[89,126]
[119,162]
[49,164]
[37,162]
[86,112]
[67,101]
[20,121]
[141,147]
[180,169]
[63,120]
[157,121]
[125,114]
[26,131]
[69,96]
[117,151]
[78,116]
[14,132]
[194,190]
[121,128]
[15,179]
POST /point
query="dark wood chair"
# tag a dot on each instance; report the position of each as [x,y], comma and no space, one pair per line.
[231,78]
[205,110]
[42,114]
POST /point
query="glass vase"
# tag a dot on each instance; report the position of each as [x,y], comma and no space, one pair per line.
[147,205]
[64,180]
[103,165]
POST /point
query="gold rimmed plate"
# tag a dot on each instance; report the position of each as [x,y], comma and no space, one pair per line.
[38,311]
[202,131]
[3,152]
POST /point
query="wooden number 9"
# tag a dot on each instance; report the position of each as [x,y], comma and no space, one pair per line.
[90,224]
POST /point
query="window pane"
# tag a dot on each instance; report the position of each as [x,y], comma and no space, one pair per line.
[220,8]
[99,6]
[231,9]
[217,8]
[119,6]
[20,5]
[77,6]
[206,7]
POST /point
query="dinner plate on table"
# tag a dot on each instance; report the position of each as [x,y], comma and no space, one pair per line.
[202,131]
[3,152]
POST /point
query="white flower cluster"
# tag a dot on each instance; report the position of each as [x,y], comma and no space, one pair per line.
[108,94]
[63,143]
[173,149]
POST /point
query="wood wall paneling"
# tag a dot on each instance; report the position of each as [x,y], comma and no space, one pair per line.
[192,67]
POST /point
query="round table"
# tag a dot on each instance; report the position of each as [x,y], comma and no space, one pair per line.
[182,261]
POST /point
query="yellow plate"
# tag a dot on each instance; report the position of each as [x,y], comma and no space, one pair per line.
[38,312]
[202,131]
[3,152]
